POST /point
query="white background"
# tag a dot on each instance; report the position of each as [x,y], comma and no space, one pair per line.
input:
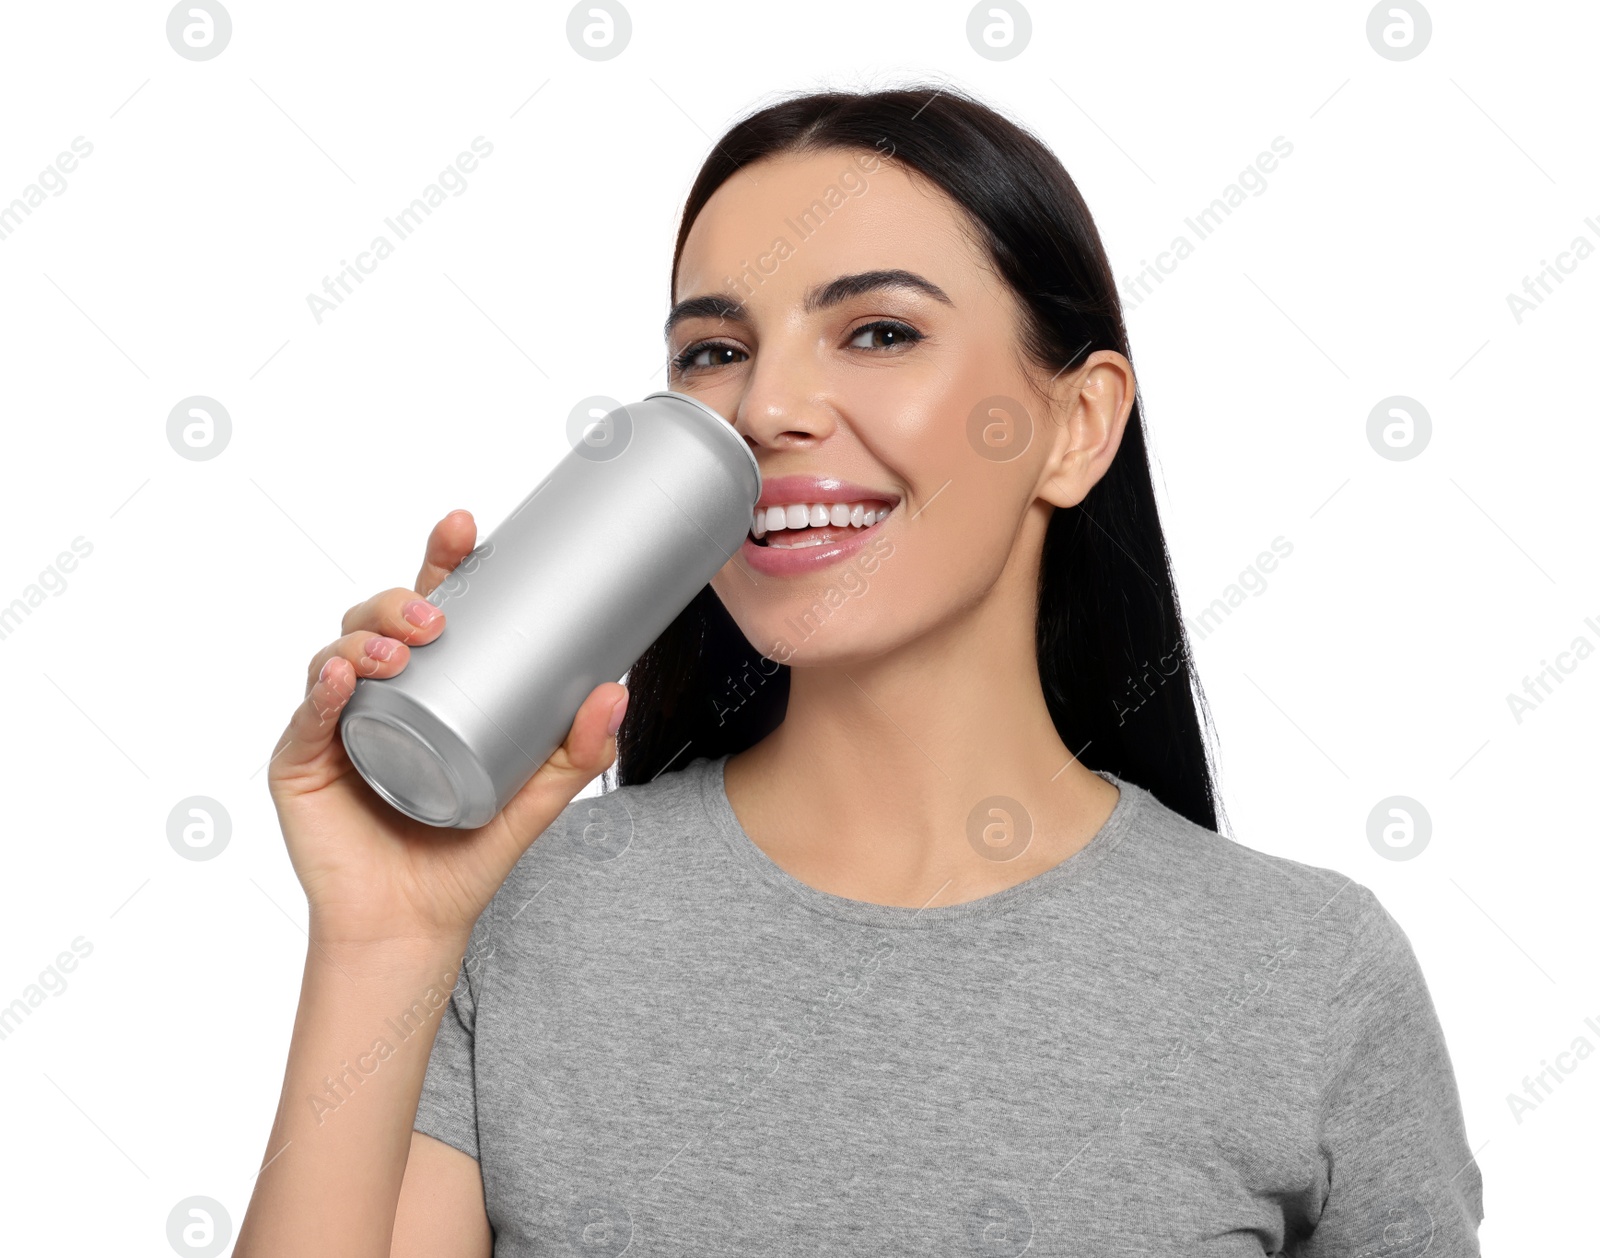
[177,260]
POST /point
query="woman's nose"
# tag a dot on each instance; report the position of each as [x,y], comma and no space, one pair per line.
[784,403]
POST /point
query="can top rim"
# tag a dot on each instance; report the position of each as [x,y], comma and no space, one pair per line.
[722,423]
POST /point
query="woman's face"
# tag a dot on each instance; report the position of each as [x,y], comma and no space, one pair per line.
[908,396]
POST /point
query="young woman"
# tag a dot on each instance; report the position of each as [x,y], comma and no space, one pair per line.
[908,928]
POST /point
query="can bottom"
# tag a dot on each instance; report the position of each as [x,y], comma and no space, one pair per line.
[404,768]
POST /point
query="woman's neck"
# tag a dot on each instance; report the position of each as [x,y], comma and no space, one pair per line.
[888,779]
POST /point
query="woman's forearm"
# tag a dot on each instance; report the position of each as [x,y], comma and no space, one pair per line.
[331,1174]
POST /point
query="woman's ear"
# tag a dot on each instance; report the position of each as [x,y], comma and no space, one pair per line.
[1090,407]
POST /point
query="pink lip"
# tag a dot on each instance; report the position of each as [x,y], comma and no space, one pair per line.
[773,562]
[783,490]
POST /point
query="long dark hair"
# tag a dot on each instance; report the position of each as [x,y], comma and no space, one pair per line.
[1113,656]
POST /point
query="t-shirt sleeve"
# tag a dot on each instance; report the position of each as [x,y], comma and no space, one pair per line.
[447,1109]
[1401,1177]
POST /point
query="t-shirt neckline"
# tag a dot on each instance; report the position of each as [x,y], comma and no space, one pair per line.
[1071,871]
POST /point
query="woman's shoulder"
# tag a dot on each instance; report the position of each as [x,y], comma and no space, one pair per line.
[1236,894]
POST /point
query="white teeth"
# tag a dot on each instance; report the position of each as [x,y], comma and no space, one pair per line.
[764,520]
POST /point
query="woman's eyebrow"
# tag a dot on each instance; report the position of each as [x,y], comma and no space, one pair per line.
[720,306]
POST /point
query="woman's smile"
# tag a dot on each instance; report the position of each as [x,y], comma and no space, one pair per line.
[808,547]
[804,522]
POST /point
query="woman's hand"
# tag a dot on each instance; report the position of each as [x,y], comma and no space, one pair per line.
[371,874]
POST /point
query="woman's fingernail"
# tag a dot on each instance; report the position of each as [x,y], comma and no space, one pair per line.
[381,648]
[419,612]
[617,713]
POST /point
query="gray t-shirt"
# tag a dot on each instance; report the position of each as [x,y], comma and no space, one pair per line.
[1169,1043]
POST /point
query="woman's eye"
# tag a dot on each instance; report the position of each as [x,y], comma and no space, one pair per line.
[894,333]
[689,360]
[881,334]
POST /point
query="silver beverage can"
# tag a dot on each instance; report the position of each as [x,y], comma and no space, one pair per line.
[567,592]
